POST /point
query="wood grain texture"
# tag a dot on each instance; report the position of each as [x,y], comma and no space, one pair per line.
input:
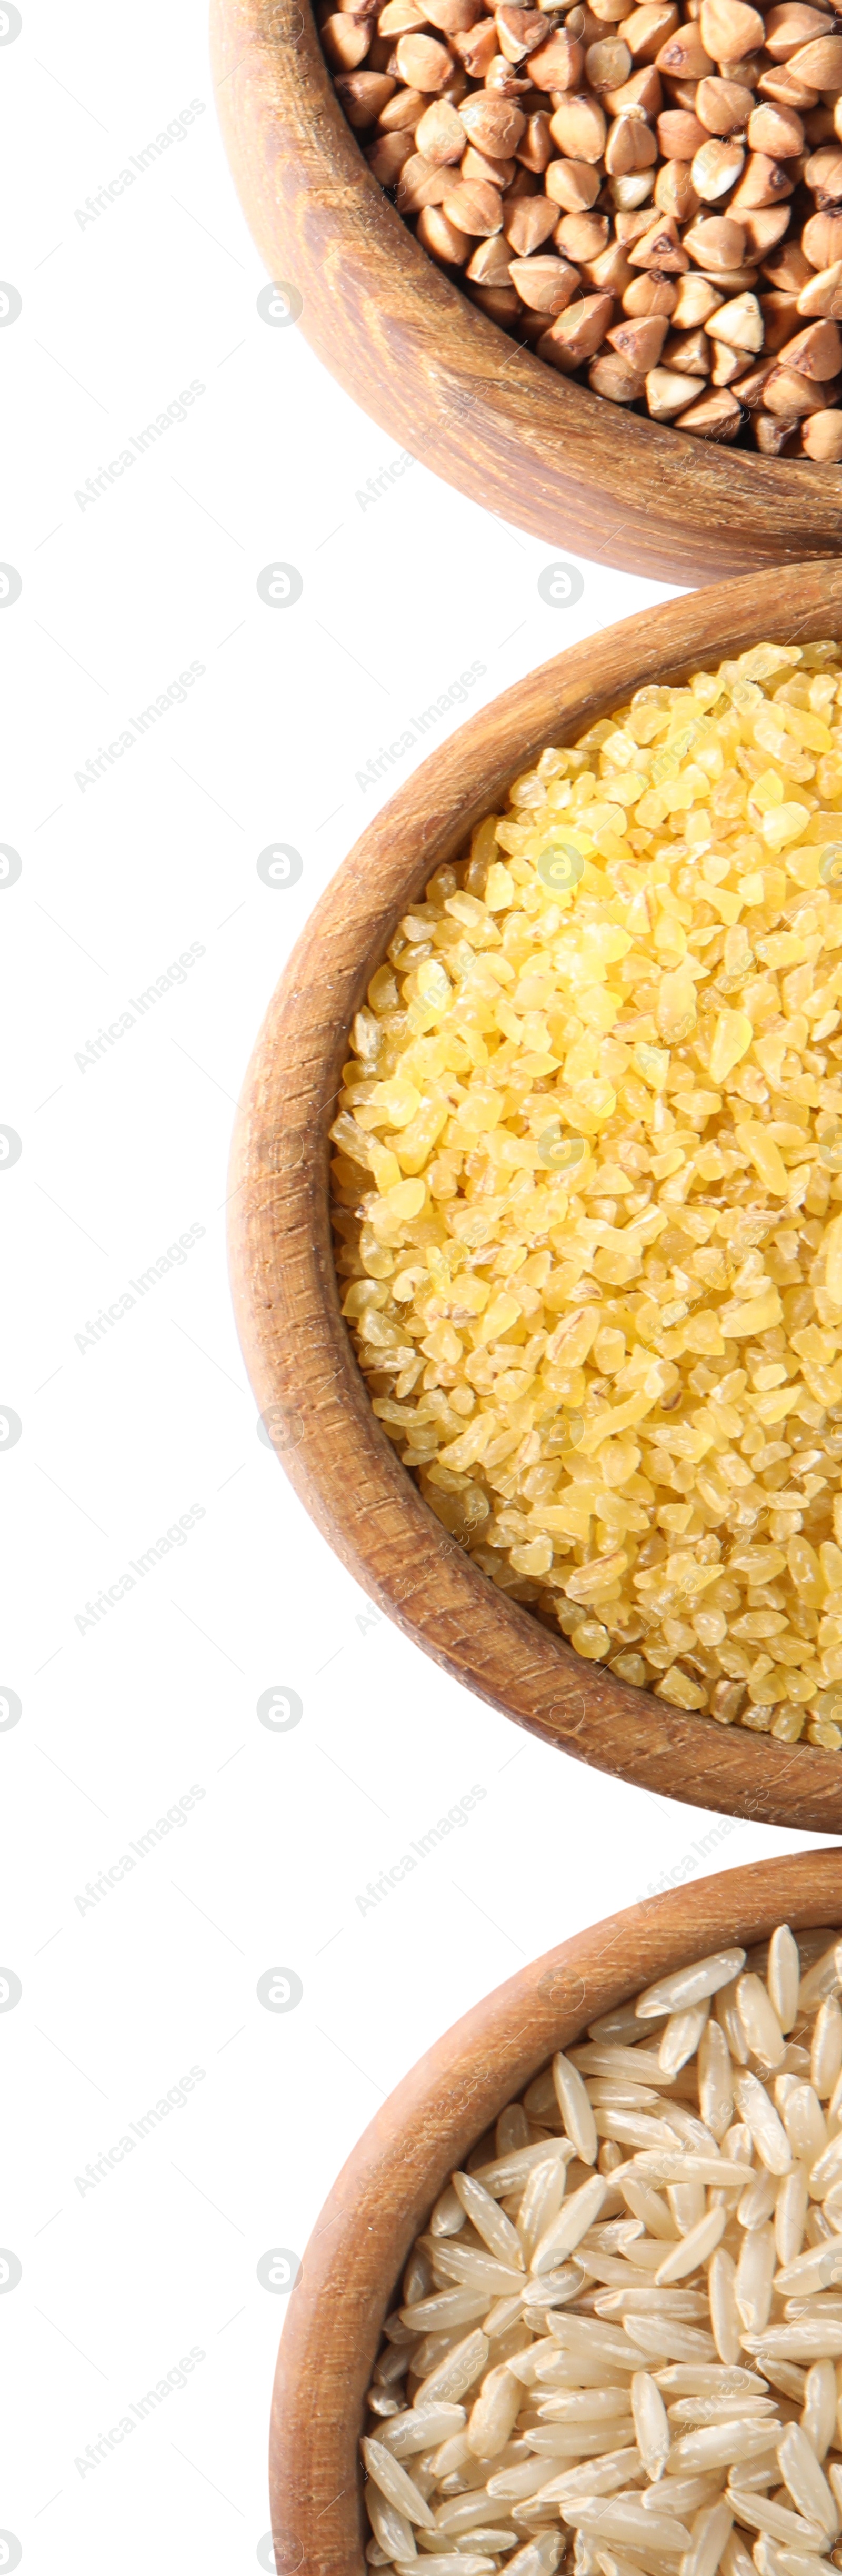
[297,1348]
[485,414]
[361,2241]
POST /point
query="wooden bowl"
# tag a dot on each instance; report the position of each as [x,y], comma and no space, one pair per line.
[361,2241]
[297,1348]
[444,381]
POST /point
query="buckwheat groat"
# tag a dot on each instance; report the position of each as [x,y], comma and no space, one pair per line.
[651,199]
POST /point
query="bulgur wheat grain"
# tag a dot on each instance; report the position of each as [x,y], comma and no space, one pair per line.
[588,1200]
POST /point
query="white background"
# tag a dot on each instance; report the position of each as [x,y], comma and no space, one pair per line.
[123,1433]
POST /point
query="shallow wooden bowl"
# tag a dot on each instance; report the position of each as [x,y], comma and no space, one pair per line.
[413,351]
[297,1348]
[361,2241]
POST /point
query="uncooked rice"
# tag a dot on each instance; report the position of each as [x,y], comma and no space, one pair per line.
[587,1191]
[617,2346]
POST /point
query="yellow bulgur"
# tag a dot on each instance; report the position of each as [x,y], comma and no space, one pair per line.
[588,1192]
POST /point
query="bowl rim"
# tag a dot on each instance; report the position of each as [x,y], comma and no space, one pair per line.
[297,1348]
[373,2213]
[463,397]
